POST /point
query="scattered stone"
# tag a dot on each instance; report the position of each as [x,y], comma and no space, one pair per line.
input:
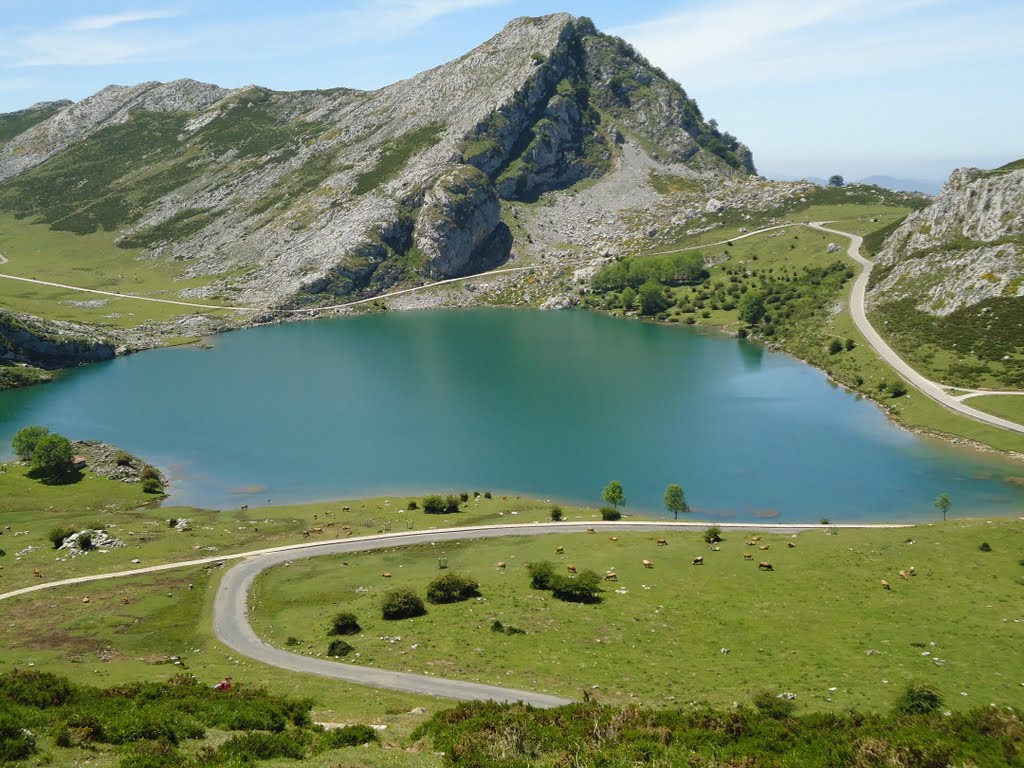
[833,248]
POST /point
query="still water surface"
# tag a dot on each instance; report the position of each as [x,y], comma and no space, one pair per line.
[553,404]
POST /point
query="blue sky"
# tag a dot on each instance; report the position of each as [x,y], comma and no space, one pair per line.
[910,88]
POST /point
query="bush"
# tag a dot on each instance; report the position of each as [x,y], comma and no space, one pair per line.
[349,736]
[85,541]
[610,513]
[487,494]
[248,747]
[402,604]
[412,504]
[497,626]
[584,588]
[433,505]
[452,588]
[451,504]
[898,389]
[151,754]
[713,535]
[985,547]
[123,459]
[152,485]
[464,496]
[772,706]
[918,699]
[835,347]
[52,458]
[149,471]
[15,743]
[339,648]
[556,513]
[57,536]
[541,573]
[345,623]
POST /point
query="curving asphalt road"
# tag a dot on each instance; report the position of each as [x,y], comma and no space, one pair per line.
[857,310]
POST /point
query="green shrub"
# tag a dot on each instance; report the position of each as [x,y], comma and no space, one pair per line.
[464,496]
[452,588]
[985,547]
[57,535]
[771,705]
[402,603]
[152,485]
[412,504]
[345,623]
[556,513]
[249,747]
[149,471]
[433,505]
[151,754]
[41,690]
[713,535]
[339,648]
[292,641]
[610,513]
[585,587]
[123,459]
[451,504]
[541,573]
[349,736]
[918,699]
[15,742]
[487,494]
[25,440]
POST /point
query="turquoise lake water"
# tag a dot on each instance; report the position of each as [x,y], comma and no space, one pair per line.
[553,404]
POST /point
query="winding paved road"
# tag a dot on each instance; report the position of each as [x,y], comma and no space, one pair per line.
[933,390]
[231,612]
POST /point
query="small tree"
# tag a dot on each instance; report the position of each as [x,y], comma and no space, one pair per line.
[402,603]
[652,298]
[836,180]
[52,458]
[452,588]
[613,494]
[451,504]
[675,501]
[942,503]
[556,513]
[541,574]
[345,623]
[339,648]
[713,535]
[751,307]
[835,347]
[57,536]
[628,297]
[25,440]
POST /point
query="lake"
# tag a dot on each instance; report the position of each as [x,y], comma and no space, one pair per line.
[550,404]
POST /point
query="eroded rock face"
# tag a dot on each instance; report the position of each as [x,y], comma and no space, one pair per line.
[459,215]
[966,247]
[24,339]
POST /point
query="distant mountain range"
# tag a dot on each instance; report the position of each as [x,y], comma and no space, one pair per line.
[926,186]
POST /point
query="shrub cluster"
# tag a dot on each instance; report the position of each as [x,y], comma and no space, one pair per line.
[441,505]
[452,588]
[584,587]
[345,623]
[610,513]
[402,603]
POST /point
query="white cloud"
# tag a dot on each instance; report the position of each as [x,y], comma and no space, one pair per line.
[88,23]
[787,42]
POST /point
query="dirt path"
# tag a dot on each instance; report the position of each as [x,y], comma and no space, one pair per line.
[935,391]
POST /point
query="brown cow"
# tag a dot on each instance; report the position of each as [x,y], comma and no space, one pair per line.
[886,584]
[613,538]
[590,530]
[698,561]
[662,542]
[904,576]
[764,546]
[750,543]
[316,530]
[748,555]
[791,545]
[765,566]
[502,565]
[912,571]
[610,576]
[648,564]
[37,573]
[559,550]
[570,568]
[386,574]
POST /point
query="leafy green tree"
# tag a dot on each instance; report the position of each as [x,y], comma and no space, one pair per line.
[541,574]
[675,501]
[556,514]
[942,503]
[751,307]
[613,494]
[836,180]
[25,440]
[52,458]
[652,298]
[628,297]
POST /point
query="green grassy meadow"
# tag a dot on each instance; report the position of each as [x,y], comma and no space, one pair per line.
[807,627]
[1008,406]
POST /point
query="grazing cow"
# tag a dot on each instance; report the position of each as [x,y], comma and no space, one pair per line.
[37,573]
[755,538]
[306,534]
[86,599]
[765,566]
[648,564]
[610,576]
[570,568]
[791,545]
[245,506]
[748,555]
[386,574]
[912,571]
[330,524]
[316,530]
[662,542]
[698,561]
[590,530]
[750,543]
[501,565]
[559,550]
[764,546]
[904,576]
[886,584]
[613,538]
[715,548]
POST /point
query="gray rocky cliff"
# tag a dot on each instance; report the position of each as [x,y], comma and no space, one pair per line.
[48,345]
[964,248]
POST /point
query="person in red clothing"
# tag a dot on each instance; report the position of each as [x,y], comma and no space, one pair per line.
[224,685]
